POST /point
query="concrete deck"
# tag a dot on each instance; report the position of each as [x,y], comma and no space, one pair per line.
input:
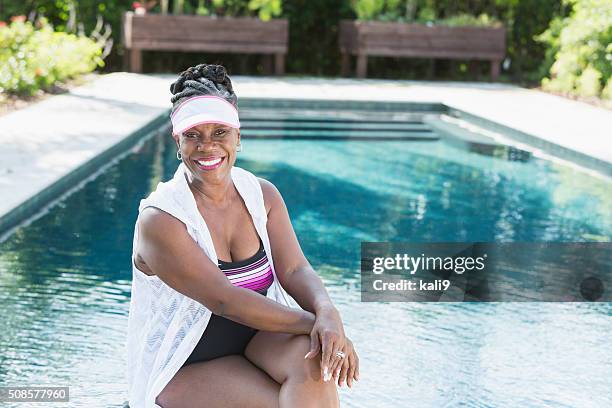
[45,143]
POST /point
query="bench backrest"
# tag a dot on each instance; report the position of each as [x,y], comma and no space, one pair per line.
[199,33]
[417,40]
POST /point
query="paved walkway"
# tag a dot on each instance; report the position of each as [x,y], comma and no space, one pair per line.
[45,142]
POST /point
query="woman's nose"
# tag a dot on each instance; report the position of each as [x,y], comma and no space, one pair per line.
[204,144]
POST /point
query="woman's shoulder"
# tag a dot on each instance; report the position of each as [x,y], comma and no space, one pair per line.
[271,195]
[158,228]
[153,218]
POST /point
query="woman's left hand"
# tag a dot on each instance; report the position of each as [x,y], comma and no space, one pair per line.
[327,335]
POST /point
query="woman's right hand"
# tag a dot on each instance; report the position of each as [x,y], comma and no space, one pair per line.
[349,370]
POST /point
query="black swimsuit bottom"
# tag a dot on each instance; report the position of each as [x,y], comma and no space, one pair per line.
[224,337]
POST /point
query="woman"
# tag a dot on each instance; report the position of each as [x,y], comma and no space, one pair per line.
[210,320]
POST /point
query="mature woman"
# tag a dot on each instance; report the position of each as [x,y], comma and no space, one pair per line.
[216,265]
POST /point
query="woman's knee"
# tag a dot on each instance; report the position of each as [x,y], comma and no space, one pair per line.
[305,369]
[281,355]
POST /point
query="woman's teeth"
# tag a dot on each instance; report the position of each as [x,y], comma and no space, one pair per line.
[209,164]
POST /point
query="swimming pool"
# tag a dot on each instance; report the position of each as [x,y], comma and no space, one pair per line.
[65,278]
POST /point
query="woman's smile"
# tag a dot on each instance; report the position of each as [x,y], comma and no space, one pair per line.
[209,163]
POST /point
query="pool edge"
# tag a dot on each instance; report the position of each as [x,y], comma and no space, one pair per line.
[30,206]
[48,195]
[554,149]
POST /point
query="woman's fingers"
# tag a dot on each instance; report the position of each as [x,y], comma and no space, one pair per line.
[324,352]
[356,375]
[314,346]
[352,364]
[337,362]
[337,368]
[326,348]
[343,371]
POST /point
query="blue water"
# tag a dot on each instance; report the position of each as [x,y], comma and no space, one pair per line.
[65,278]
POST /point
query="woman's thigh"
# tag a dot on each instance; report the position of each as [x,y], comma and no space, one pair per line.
[230,381]
[282,354]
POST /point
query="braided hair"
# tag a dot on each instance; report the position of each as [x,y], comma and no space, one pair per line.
[203,79]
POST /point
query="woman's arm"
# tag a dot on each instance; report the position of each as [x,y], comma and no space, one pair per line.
[292,268]
[302,282]
[176,259]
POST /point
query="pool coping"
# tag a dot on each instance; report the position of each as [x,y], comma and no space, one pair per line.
[553,149]
[81,173]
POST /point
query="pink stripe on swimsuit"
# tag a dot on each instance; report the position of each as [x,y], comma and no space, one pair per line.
[253,273]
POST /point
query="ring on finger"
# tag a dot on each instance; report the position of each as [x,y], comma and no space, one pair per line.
[339,354]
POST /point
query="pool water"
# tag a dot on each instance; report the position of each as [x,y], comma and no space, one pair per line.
[65,278]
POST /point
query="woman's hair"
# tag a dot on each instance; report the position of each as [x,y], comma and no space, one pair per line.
[203,79]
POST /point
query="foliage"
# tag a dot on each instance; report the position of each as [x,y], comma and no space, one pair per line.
[264,9]
[581,47]
[313,33]
[464,19]
[35,57]
[368,9]
[415,11]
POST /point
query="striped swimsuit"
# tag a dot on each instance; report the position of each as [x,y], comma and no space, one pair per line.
[222,336]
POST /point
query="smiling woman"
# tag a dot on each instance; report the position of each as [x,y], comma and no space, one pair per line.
[223,142]
[203,331]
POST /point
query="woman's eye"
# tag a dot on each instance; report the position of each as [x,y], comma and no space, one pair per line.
[220,132]
[191,135]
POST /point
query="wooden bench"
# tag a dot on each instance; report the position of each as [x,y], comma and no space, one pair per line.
[241,35]
[373,38]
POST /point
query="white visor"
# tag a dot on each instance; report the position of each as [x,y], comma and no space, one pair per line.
[203,109]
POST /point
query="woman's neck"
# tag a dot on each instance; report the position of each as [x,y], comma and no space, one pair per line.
[214,194]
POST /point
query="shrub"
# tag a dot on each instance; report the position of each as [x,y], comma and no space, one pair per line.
[264,9]
[581,47]
[416,11]
[313,32]
[35,57]
[461,20]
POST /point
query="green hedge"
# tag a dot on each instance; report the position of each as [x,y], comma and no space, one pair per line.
[33,58]
[580,50]
[313,46]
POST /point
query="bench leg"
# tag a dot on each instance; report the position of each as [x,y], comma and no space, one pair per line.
[279,64]
[362,65]
[242,65]
[431,69]
[266,61]
[495,70]
[345,64]
[135,60]
[125,60]
[473,68]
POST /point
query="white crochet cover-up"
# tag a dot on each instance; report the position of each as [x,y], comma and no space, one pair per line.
[164,325]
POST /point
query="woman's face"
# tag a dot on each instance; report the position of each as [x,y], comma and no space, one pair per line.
[209,150]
